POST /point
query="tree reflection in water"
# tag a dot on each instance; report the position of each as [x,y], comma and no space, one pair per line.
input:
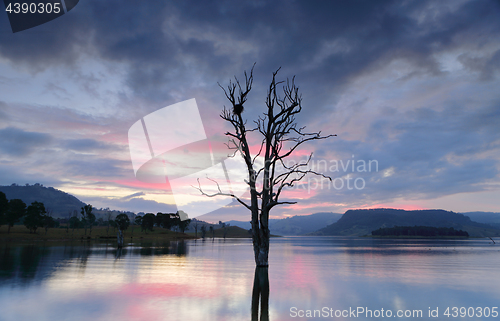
[260,290]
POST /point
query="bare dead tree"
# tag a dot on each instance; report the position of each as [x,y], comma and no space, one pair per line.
[48,220]
[280,137]
[195,227]
[109,221]
[75,214]
[67,225]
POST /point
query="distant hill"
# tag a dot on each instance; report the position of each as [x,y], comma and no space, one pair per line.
[242,224]
[363,222]
[231,231]
[303,224]
[59,202]
[295,225]
[246,224]
[491,218]
[200,223]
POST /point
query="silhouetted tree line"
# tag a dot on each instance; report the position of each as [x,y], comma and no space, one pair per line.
[162,220]
[33,216]
[419,231]
[36,215]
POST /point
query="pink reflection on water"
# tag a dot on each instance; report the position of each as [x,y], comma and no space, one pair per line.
[300,274]
[163,290]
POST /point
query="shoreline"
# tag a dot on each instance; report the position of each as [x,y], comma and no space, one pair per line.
[20,233]
[419,237]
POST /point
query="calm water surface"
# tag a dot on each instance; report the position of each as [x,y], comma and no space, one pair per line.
[213,280]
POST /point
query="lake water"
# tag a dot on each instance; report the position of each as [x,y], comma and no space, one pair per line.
[214,280]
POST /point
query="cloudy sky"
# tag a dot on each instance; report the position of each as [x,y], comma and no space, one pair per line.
[412,86]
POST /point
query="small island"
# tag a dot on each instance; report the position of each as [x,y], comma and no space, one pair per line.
[420,232]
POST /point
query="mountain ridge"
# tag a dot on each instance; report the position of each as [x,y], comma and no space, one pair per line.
[57,201]
[321,223]
[362,222]
[295,225]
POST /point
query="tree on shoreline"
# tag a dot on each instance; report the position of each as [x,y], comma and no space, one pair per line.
[35,215]
[48,221]
[183,225]
[280,137]
[211,228]
[15,211]
[4,204]
[67,225]
[203,229]
[195,225]
[138,220]
[123,222]
[148,221]
[88,218]
[109,222]
[74,222]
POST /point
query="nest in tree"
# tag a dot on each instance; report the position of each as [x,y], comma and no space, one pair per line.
[238,109]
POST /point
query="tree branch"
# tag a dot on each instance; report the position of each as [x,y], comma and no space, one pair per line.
[220,193]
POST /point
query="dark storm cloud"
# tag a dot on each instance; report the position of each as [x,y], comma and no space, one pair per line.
[486,67]
[432,135]
[89,145]
[11,173]
[326,42]
[93,166]
[46,45]
[170,50]
[17,142]
[431,153]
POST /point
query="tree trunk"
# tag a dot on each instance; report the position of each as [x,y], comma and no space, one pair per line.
[260,291]
[260,237]
[8,230]
[262,255]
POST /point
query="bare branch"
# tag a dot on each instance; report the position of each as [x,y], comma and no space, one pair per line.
[220,193]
